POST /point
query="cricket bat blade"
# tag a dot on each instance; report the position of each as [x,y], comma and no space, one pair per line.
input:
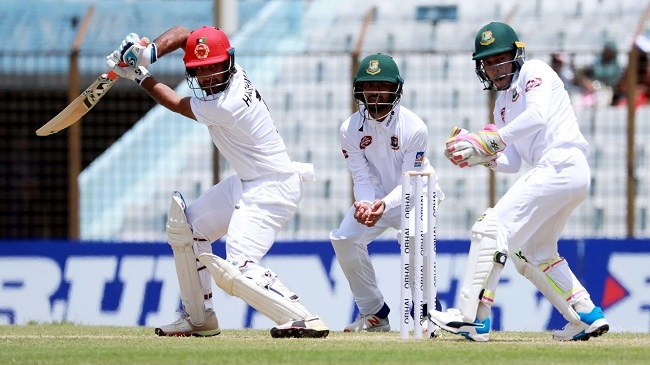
[79,106]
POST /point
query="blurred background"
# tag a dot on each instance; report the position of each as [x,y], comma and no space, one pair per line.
[109,177]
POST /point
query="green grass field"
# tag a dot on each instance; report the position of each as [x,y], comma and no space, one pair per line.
[71,344]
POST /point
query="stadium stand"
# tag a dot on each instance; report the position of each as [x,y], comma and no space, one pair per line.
[298,55]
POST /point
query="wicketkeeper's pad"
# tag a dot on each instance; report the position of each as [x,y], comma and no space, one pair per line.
[546,286]
[484,265]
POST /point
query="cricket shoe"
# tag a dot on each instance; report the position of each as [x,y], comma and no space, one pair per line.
[310,327]
[452,321]
[184,327]
[592,324]
[368,323]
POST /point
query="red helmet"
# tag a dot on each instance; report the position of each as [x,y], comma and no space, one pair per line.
[206,46]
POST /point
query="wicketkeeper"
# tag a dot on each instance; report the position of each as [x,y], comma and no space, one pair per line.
[534,122]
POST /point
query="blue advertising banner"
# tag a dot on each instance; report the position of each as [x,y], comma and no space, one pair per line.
[133,284]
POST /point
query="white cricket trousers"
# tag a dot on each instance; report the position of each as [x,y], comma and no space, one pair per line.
[534,211]
[350,242]
[249,213]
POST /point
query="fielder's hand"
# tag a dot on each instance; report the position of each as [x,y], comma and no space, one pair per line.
[369,213]
[138,75]
[137,52]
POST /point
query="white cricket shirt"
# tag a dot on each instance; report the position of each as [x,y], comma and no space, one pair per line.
[241,127]
[534,116]
[377,153]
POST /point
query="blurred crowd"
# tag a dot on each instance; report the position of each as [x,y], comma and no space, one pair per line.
[604,82]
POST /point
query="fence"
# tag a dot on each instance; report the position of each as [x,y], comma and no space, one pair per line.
[130,169]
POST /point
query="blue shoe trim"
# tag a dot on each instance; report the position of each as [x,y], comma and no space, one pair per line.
[581,335]
[485,328]
[592,316]
[480,328]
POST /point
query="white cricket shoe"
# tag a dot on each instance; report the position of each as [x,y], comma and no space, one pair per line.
[592,324]
[184,327]
[368,323]
[310,327]
[452,321]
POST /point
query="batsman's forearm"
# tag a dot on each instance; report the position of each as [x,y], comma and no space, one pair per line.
[167,97]
[171,40]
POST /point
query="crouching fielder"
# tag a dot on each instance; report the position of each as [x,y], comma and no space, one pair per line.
[248,208]
[534,122]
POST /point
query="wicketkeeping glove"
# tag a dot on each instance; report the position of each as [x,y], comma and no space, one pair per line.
[470,149]
[135,54]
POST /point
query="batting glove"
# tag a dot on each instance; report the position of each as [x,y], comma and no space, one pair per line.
[138,74]
[135,54]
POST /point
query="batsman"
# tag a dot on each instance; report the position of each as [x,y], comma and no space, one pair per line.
[534,122]
[248,208]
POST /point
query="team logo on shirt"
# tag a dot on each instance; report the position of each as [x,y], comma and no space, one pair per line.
[394,143]
[503,114]
[201,50]
[533,83]
[365,142]
[345,153]
[419,158]
[373,67]
[515,95]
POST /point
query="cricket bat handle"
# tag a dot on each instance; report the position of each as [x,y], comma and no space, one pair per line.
[112,75]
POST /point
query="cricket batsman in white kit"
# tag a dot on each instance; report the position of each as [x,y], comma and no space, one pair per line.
[248,208]
[379,143]
[535,123]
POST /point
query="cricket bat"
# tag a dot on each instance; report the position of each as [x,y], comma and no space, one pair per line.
[83,103]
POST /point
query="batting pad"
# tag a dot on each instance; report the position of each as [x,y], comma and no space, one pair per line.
[260,296]
[179,236]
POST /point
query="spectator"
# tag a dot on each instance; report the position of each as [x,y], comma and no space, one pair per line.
[606,68]
[600,80]
[560,64]
[619,96]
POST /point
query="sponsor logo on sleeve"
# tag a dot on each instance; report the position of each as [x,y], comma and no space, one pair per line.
[345,153]
[503,114]
[533,83]
[419,158]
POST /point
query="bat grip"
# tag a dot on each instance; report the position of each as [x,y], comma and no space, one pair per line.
[112,75]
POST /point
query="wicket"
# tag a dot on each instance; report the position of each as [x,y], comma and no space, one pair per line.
[417,250]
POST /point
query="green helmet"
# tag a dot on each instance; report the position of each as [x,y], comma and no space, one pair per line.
[494,38]
[378,68]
